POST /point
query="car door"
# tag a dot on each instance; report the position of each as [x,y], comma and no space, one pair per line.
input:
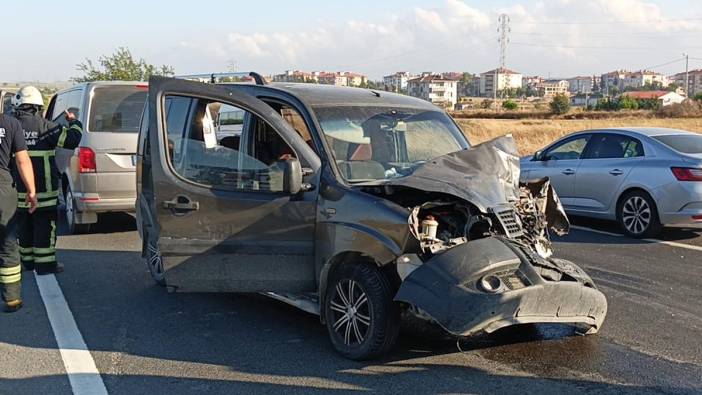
[560,163]
[607,162]
[223,222]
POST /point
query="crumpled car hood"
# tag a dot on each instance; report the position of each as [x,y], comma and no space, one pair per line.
[486,174]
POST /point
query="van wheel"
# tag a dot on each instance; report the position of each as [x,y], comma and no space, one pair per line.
[73,227]
[362,319]
[155,264]
[638,216]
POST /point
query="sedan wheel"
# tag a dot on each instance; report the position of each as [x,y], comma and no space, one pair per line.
[638,215]
[362,319]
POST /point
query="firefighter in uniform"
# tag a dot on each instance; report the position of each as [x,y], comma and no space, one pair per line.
[12,142]
[37,231]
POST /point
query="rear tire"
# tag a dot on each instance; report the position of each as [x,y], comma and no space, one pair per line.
[638,216]
[362,319]
[70,211]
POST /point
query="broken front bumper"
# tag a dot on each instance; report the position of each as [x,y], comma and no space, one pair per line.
[533,290]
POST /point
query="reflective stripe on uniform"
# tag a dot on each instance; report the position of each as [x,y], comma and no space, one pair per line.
[47,172]
[26,257]
[44,251]
[40,195]
[45,259]
[52,240]
[8,271]
[42,153]
[62,138]
[77,127]
[15,278]
[47,203]
[26,250]
[9,275]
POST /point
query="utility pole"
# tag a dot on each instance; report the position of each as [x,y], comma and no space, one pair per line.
[687,81]
[502,38]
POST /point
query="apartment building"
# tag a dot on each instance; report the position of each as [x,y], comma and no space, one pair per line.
[501,79]
[644,78]
[583,84]
[435,88]
[552,87]
[694,84]
[613,81]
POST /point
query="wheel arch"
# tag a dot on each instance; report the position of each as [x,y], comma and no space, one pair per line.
[630,189]
[389,269]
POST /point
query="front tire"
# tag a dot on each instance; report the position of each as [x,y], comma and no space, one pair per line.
[638,216]
[70,211]
[362,319]
[154,262]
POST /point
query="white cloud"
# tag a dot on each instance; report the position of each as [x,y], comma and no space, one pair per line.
[560,37]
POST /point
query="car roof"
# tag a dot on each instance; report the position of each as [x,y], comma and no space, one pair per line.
[103,83]
[644,131]
[319,95]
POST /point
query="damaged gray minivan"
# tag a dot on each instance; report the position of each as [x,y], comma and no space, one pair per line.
[351,204]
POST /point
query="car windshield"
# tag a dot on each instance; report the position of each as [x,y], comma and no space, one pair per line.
[376,143]
[685,143]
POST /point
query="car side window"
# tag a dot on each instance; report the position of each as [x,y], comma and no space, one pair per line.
[569,149]
[204,146]
[614,146]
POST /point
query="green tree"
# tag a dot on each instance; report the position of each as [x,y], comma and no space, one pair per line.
[560,104]
[510,105]
[120,66]
[628,103]
[698,97]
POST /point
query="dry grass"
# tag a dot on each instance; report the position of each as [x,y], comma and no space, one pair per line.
[534,134]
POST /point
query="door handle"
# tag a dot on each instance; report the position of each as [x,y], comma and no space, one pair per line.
[181,203]
[616,172]
[568,172]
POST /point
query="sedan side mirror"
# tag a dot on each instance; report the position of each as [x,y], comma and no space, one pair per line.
[537,156]
[292,176]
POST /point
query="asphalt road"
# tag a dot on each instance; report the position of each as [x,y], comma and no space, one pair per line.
[144,340]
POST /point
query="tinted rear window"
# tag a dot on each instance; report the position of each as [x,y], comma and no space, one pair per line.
[685,143]
[116,109]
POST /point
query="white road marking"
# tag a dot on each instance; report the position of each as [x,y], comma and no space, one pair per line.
[80,366]
[670,243]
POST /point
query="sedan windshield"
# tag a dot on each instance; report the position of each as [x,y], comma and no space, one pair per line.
[376,143]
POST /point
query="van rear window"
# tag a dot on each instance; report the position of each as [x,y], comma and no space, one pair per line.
[116,109]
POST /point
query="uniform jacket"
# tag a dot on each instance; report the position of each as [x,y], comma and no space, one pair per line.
[43,137]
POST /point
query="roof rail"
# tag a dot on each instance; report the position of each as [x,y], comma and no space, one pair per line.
[214,78]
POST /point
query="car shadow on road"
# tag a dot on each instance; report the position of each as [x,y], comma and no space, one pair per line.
[689,234]
[107,223]
[247,343]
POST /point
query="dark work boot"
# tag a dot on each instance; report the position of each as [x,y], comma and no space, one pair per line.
[13,305]
[52,269]
[27,266]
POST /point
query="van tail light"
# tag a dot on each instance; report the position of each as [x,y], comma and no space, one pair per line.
[86,160]
[687,173]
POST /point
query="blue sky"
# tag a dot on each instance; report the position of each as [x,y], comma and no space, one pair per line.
[549,37]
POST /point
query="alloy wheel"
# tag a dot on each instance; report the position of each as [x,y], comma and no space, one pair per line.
[636,215]
[154,262]
[351,315]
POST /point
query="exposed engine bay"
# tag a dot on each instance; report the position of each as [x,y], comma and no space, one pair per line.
[475,194]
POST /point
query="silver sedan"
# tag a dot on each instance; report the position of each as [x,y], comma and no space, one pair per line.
[642,177]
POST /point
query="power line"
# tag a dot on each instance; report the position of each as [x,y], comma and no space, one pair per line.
[611,22]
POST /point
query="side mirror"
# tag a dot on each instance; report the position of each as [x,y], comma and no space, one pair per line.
[537,156]
[292,176]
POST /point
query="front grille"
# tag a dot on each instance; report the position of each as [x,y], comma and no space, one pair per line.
[511,280]
[509,221]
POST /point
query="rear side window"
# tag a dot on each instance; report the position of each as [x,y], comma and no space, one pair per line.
[116,109]
[614,146]
[685,143]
